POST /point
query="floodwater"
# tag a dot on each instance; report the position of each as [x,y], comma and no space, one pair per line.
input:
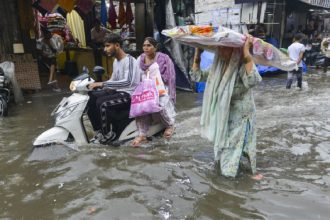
[175,179]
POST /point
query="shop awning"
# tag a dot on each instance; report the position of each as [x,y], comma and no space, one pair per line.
[318,3]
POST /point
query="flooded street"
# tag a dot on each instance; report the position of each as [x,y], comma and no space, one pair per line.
[175,179]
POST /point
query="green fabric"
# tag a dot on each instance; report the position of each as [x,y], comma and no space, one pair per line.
[198,75]
[228,113]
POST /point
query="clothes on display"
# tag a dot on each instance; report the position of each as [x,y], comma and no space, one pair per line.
[112,15]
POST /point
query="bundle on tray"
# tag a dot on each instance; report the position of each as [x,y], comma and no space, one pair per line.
[208,38]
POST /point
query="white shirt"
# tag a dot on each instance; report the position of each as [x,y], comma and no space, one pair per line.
[294,51]
[125,76]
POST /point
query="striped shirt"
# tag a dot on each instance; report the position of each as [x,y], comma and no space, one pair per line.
[125,76]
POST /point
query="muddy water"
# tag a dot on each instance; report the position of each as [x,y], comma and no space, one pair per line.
[176,179]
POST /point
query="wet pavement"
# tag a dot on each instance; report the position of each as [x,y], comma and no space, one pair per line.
[175,179]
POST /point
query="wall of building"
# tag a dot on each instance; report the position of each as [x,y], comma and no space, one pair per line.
[209,11]
[227,13]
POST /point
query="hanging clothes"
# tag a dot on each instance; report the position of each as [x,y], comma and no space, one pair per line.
[76,24]
[160,19]
[88,22]
[112,15]
[67,5]
[85,6]
[49,5]
[129,13]
[104,16]
[121,15]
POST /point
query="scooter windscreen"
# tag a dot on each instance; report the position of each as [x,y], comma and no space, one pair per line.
[81,77]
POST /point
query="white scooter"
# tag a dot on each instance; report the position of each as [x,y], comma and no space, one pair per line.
[71,119]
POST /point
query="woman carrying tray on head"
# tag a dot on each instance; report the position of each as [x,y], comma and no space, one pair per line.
[152,62]
[228,116]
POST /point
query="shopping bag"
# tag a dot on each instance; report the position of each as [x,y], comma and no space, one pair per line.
[145,99]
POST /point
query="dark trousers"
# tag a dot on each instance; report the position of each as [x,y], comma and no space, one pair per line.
[298,74]
[108,110]
[97,52]
[326,64]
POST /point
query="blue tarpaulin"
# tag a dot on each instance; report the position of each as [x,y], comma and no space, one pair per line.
[104,16]
[207,60]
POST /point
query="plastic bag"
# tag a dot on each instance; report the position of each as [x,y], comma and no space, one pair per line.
[145,99]
[155,73]
[263,52]
[57,43]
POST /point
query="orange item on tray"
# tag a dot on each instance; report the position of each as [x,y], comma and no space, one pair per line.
[205,30]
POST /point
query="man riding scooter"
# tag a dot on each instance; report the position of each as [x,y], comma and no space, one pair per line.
[111,102]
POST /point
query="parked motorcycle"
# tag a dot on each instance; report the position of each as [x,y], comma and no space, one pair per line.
[319,60]
[4,93]
[71,119]
[314,58]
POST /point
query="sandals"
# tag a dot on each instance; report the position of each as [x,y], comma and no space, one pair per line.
[52,82]
[138,141]
[169,131]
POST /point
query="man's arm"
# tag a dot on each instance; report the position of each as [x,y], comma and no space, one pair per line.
[301,55]
[247,58]
[92,35]
[197,59]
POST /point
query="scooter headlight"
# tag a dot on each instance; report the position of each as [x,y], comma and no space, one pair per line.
[73,86]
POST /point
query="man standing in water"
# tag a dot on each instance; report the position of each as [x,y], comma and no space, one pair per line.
[296,52]
[46,47]
[113,101]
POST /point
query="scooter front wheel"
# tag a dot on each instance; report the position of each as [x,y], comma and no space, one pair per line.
[3,107]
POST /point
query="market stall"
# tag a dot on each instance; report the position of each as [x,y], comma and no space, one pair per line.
[74,23]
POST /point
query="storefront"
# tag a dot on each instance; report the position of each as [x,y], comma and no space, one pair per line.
[23,20]
[307,16]
[20,28]
[281,19]
[74,23]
